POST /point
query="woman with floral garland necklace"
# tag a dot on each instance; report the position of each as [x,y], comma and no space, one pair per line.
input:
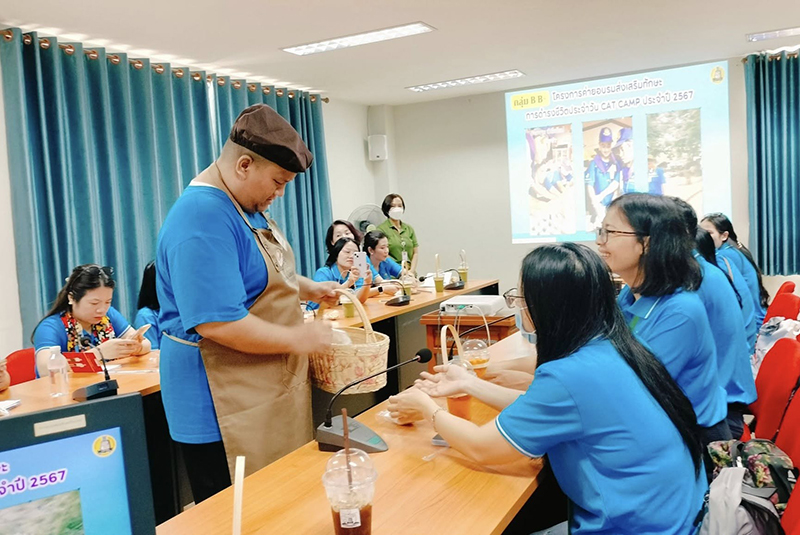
[82,319]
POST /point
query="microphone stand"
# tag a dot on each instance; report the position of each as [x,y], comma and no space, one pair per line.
[453,285]
[330,433]
[398,300]
[103,389]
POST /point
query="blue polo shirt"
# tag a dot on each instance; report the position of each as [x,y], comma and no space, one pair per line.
[210,269]
[51,332]
[332,273]
[727,327]
[144,316]
[388,269]
[751,325]
[613,449]
[736,258]
[598,177]
[676,329]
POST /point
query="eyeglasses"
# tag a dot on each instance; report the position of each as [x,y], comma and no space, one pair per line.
[512,296]
[603,234]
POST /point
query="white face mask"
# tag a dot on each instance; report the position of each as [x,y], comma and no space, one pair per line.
[529,336]
[396,212]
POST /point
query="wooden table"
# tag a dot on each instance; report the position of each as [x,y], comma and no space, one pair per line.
[448,494]
[377,310]
[35,395]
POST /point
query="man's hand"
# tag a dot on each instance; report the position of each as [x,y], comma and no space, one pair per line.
[314,337]
[323,292]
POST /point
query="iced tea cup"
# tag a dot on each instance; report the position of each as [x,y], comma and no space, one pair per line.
[462,274]
[438,282]
[349,309]
[350,498]
[479,365]
[460,406]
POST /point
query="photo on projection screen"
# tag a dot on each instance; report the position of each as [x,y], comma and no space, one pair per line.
[574,148]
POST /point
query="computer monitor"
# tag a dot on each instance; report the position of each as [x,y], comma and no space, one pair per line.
[81,468]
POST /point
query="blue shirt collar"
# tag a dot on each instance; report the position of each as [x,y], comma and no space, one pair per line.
[641,307]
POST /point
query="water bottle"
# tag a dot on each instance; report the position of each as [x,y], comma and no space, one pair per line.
[58,369]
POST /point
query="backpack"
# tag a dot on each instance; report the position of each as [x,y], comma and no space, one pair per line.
[752,484]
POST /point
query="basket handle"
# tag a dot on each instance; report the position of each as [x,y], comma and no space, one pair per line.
[443,342]
[361,312]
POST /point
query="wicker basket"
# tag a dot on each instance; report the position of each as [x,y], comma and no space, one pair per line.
[343,364]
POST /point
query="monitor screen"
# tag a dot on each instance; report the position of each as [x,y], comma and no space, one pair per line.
[70,475]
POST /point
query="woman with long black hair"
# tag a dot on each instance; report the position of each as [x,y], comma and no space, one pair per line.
[727,326]
[644,240]
[731,249]
[619,433]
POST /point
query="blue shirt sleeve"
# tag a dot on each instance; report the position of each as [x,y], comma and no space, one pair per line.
[674,340]
[205,281]
[50,332]
[119,323]
[545,416]
[393,268]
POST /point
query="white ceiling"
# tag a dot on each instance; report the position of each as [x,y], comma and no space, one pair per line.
[551,42]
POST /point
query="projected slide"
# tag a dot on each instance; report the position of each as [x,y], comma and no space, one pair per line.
[574,148]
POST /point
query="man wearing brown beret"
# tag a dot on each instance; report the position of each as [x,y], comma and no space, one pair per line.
[234,365]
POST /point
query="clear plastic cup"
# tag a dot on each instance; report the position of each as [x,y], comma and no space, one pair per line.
[350,499]
[477,353]
[461,405]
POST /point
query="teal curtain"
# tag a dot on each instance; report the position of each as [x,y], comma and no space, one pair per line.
[304,212]
[773,135]
[100,147]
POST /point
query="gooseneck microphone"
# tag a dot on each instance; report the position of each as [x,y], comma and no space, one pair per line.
[330,434]
[103,389]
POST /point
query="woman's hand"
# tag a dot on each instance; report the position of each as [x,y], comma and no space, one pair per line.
[448,381]
[411,405]
[5,379]
[119,348]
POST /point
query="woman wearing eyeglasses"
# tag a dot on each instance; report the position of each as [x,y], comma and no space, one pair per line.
[644,240]
[618,431]
[82,318]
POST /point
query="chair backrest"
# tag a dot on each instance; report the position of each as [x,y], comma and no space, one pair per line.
[786,305]
[786,288]
[790,521]
[21,366]
[789,441]
[776,378]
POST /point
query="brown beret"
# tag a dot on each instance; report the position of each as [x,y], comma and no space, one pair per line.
[262,130]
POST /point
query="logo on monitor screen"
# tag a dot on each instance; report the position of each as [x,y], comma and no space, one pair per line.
[717,75]
[104,445]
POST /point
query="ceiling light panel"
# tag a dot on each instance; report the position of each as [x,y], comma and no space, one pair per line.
[407,30]
[480,79]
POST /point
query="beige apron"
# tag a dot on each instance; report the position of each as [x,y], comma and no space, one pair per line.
[263,402]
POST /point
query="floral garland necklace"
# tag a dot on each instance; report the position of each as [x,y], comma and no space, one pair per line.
[100,332]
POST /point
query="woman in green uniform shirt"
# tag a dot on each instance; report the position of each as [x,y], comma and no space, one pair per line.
[403,245]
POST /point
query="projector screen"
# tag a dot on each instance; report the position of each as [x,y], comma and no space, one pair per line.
[573,148]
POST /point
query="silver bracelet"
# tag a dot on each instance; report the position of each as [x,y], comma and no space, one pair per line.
[433,416]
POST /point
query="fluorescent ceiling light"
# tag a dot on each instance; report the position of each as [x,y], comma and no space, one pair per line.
[366,38]
[481,79]
[774,34]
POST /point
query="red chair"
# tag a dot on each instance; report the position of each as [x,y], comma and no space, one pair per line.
[790,521]
[21,366]
[786,305]
[776,378]
[789,441]
[786,288]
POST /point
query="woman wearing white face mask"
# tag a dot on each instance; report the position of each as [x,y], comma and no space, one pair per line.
[403,245]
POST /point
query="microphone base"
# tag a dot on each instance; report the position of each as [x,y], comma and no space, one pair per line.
[399,301]
[459,285]
[103,389]
[361,437]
